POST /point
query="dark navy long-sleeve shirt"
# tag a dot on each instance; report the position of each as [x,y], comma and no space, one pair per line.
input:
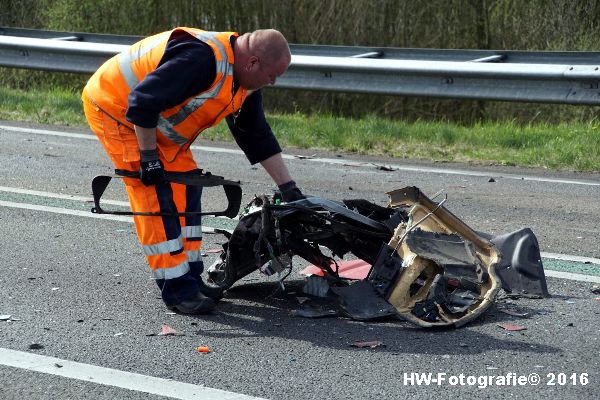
[188,68]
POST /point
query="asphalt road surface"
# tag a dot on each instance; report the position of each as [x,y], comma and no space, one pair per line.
[79,313]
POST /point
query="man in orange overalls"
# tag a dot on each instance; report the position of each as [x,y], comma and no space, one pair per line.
[150,102]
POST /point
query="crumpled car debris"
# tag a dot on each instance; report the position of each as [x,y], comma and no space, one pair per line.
[427,266]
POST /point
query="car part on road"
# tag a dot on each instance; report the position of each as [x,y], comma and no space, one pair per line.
[427,266]
[523,273]
[232,189]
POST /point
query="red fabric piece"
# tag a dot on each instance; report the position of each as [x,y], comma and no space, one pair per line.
[355,269]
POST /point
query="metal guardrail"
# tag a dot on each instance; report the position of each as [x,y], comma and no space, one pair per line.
[548,77]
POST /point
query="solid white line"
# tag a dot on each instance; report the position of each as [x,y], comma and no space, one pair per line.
[572,276]
[114,377]
[79,213]
[65,211]
[60,196]
[48,133]
[567,257]
[336,161]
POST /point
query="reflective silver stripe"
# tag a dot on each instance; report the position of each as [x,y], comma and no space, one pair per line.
[171,273]
[196,102]
[223,67]
[126,70]
[167,129]
[164,247]
[193,231]
[211,37]
[194,256]
[126,59]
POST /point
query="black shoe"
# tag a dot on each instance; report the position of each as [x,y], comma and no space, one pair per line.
[209,290]
[200,304]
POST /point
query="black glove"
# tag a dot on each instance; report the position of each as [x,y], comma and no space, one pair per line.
[152,171]
[290,192]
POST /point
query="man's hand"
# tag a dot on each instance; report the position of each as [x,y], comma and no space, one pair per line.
[290,192]
[151,168]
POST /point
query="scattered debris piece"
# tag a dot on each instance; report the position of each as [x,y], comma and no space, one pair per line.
[55,288]
[119,334]
[513,312]
[5,317]
[166,330]
[213,251]
[388,168]
[313,312]
[597,298]
[36,346]
[463,345]
[171,313]
[301,157]
[595,289]
[570,301]
[302,300]
[570,324]
[511,327]
[352,269]
[350,188]
[316,286]
[57,365]
[117,275]
[491,180]
[203,349]
[491,368]
[370,344]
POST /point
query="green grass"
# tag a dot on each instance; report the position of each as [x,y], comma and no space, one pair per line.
[572,146]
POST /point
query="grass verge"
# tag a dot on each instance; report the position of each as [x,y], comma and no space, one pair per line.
[572,146]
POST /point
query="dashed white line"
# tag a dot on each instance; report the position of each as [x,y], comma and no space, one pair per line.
[337,161]
[114,377]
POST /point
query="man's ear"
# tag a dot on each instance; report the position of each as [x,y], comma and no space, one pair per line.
[252,63]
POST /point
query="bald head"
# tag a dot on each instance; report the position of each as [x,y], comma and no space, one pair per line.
[270,45]
[260,57]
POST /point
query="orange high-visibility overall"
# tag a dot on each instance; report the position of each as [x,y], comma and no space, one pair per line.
[171,244]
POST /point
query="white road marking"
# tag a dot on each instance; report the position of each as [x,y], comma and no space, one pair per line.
[337,161]
[566,257]
[60,196]
[114,377]
[572,276]
[65,211]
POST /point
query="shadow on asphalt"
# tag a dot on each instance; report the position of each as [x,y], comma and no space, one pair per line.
[258,309]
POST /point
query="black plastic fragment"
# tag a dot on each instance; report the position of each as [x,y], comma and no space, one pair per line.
[384,273]
[521,270]
[362,302]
